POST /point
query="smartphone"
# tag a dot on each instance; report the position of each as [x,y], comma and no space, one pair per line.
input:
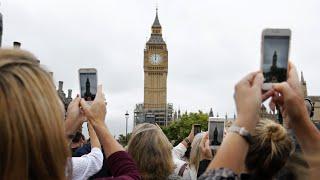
[275,46]
[88,83]
[216,131]
[196,129]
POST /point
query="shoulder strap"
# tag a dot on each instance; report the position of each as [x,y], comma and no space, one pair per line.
[183,167]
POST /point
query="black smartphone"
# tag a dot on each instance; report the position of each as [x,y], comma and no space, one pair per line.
[196,129]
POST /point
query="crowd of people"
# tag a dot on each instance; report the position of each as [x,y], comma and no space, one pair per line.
[40,141]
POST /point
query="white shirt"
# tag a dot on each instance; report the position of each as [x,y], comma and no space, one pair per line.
[177,155]
[87,165]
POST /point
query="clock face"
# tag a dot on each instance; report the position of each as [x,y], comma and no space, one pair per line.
[155,59]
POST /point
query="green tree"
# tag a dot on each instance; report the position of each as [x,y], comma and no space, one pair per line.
[122,139]
[180,129]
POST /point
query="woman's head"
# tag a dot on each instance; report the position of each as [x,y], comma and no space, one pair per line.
[195,155]
[33,144]
[270,149]
[151,150]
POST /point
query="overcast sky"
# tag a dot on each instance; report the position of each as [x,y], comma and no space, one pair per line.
[211,44]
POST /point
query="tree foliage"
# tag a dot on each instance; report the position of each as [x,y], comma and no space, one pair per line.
[122,139]
[180,129]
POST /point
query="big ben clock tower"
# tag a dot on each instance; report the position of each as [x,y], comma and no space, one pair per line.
[155,108]
[155,69]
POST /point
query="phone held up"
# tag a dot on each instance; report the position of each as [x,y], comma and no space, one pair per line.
[275,46]
[216,131]
[88,83]
[196,129]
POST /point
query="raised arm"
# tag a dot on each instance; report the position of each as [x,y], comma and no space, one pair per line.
[95,143]
[87,165]
[121,164]
[180,150]
[74,118]
[294,109]
[96,113]
[234,148]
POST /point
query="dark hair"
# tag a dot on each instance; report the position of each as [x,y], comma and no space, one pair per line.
[77,137]
[269,151]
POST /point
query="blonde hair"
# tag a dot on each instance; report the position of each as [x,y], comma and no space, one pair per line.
[195,153]
[270,150]
[151,150]
[33,144]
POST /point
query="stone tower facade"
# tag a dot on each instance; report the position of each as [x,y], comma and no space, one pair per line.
[155,108]
[155,69]
[66,100]
[315,100]
[303,85]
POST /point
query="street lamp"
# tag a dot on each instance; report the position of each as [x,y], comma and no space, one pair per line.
[127,117]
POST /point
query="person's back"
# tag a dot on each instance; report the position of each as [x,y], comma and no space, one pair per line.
[33,145]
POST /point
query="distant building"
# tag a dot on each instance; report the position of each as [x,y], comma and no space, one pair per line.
[315,100]
[65,99]
[211,113]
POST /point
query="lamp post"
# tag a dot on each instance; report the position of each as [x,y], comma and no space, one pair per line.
[127,117]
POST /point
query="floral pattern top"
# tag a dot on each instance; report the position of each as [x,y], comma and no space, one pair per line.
[219,174]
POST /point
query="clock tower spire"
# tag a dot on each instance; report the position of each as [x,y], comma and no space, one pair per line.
[155,65]
[156,32]
[156,26]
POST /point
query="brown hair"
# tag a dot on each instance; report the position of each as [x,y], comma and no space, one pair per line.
[33,144]
[270,150]
[151,150]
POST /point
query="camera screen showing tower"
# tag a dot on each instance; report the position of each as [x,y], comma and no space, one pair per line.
[216,130]
[88,85]
[275,58]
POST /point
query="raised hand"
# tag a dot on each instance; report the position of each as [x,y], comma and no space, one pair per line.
[289,97]
[96,112]
[75,117]
[74,111]
[248,99]
[206,152]
[191,134]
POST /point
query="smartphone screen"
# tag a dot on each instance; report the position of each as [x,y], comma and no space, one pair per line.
[88,83]
[197,129]
[275,58]
[216,131]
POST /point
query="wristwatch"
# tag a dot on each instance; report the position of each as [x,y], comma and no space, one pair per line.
[242,132]
[310,108]
[187,141]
